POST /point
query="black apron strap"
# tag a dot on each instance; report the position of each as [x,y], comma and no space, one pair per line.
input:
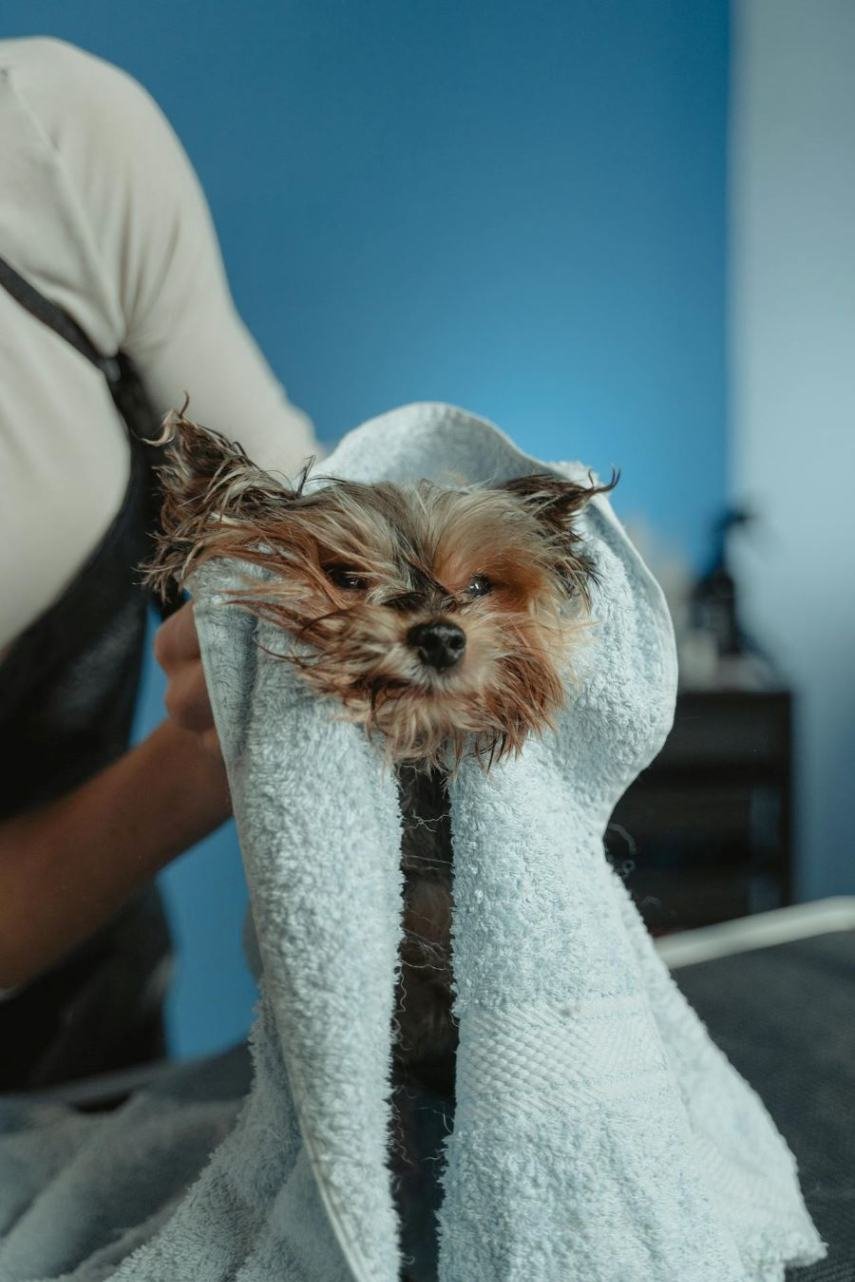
[126,388]
[57,319]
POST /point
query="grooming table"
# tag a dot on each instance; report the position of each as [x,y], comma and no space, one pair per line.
[777,992]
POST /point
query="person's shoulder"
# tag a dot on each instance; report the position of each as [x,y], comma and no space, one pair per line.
[60,65]
[60,81]
[107,181]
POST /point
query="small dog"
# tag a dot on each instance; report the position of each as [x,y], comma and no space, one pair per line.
[439,619]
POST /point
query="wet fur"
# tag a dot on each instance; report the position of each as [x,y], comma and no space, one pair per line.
[415,550]
[417,547]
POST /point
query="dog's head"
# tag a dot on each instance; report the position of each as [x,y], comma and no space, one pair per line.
[440,618]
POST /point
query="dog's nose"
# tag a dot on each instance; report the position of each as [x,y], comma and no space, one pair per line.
[439,644]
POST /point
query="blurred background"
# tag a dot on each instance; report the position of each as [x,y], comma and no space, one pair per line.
[626,233]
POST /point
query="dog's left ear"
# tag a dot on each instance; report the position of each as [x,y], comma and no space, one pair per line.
[554,500]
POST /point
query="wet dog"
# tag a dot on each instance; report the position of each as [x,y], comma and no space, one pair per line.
[441,619]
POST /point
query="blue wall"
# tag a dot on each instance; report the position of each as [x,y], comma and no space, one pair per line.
[519,207]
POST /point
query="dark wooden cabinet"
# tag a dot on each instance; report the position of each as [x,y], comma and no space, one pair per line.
[705,833]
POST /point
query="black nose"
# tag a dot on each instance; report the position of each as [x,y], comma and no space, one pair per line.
[439,644]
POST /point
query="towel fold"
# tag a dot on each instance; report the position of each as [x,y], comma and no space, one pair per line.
[598,1136]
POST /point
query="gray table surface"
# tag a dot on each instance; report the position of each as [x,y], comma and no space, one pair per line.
[785,1017]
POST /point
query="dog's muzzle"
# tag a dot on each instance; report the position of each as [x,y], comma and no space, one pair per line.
[438,643]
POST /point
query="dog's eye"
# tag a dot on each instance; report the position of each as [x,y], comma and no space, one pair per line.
[479,585]
[343,577]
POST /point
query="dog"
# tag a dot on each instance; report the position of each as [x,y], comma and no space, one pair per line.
[440,619]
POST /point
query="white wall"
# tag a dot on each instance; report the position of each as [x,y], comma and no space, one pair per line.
[792,396]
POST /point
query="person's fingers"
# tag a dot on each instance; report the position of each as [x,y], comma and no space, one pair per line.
[210,742]
[176,649]
[187,699]
[176,641]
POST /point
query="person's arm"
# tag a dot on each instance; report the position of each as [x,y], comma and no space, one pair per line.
[158,245]
[154,284]
[67,866]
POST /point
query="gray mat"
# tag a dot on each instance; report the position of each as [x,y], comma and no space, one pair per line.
[785,1017]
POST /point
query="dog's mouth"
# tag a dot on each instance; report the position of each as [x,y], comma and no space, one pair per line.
[441,717]
[403,674]
[431,688]
[434,686]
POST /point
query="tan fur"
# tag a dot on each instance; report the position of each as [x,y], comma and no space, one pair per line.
[415,550]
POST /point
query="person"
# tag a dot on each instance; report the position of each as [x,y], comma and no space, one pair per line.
[113,302]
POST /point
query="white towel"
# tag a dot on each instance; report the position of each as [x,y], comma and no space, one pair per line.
[599,1136]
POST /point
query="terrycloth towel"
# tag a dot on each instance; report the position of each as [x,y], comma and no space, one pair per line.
[598,1137]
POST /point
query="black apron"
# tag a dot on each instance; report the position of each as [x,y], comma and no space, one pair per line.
[68,688]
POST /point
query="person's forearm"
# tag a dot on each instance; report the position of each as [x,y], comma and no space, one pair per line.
[66,867]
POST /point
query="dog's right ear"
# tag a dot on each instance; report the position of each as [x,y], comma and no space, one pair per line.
[213,497]
[203,469]
[192,453]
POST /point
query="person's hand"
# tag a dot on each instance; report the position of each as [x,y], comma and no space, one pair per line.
[176,648]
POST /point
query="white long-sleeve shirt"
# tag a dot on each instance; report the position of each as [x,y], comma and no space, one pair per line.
[101,211]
